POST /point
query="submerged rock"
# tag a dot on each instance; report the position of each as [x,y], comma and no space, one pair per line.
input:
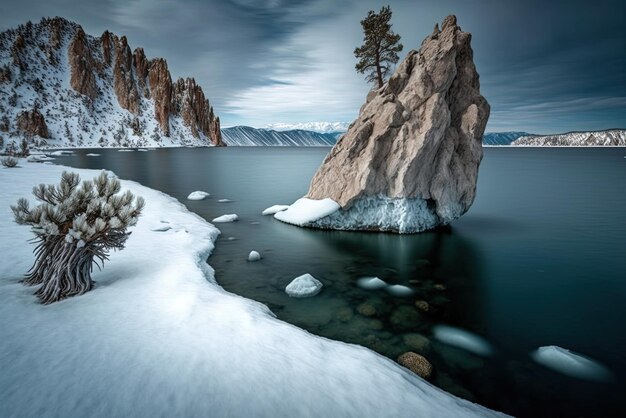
[416,363]
[410,161]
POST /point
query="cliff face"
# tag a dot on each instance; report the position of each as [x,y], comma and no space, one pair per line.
[410,160]
[95,91]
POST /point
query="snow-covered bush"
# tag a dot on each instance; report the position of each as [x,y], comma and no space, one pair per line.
[75,226]
[9,162]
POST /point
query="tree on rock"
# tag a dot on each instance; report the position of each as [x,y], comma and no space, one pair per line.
[73,224]
[380,46]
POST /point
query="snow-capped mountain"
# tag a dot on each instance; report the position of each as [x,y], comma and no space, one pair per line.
[321,127]
[611,137]
[60,87]
[248,136]
[502,138]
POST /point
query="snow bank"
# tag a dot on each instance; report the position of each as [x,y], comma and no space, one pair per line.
[198,195]
[157,337]
[462,339]
[304,211]
[571,364]
[304,286]
[226,218]
[371,283]
[274,209]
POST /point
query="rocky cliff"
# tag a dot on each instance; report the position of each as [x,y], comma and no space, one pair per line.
[410,160]
[84,91]
[611,137]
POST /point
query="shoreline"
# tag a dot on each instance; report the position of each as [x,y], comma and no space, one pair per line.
[159,337]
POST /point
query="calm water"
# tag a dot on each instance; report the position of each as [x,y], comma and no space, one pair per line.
[539,260]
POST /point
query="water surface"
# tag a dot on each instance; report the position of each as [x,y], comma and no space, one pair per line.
[538,260]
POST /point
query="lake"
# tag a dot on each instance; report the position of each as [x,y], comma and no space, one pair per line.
[538,260]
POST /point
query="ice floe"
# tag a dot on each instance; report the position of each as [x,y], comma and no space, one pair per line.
[198,195]
[226,218]
[570,364]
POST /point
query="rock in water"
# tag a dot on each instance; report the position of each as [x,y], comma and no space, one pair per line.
[410,160]
[304,286]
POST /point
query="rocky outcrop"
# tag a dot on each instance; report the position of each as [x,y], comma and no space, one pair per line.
[32,123]
[189,102]
[410,160]
[161,88]
[5,74]
[108,41]
[141,69]
[82,78]
[611,137]
[123,80]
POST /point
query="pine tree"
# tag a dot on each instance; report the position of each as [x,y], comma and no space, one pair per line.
[73,225]
[380,46]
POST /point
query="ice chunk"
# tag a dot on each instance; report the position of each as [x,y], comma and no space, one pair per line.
[142,150]
[224,201]
[226,218]
[571,364]
[125,150]
[254,256]
[305,211]
[399,290]
[198,195]
[92,154]
[462,339]
[274,209]
[371,283]
[304,286]
[61,153]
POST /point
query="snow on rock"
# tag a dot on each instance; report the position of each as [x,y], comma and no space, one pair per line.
[305,211]
[571,364]
[274,209]
[371,283]
[462,339]
[254,256]
[157,311]
[400,290]
[226,218]
[92,154]
[198,195]
[304,286]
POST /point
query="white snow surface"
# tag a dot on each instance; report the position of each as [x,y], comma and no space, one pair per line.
[274,209]
[198,195]
[157,337]
[371,283]
[305,211]
[304,286]
[571,364]
[226,218]
[462,339]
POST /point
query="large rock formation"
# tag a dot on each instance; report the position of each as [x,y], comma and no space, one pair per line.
[79,56]
[410,160]
[32,123]
[128,92]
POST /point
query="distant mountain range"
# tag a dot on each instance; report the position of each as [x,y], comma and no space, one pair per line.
[321,127]
[248,136]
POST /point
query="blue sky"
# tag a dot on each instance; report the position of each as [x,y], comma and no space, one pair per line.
[545,66]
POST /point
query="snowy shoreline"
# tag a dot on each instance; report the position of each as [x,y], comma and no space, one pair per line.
[159,337]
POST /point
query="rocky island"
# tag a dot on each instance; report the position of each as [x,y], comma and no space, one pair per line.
[410,160]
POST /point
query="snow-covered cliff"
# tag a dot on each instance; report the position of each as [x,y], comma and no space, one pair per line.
[612,137]
[248,136]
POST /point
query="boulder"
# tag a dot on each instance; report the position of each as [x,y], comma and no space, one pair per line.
[416,363]
[410,160]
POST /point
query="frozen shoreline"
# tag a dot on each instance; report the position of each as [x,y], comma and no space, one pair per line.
[159,337]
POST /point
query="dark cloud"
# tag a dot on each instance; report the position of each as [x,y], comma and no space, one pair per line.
[546,66]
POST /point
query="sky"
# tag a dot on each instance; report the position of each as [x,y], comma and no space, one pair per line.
[546,66]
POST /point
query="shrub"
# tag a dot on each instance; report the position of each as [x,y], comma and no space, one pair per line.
[75,227]
[9,162]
